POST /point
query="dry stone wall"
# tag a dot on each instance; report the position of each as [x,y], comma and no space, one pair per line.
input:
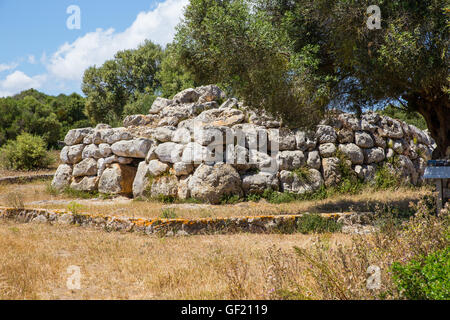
[201,145]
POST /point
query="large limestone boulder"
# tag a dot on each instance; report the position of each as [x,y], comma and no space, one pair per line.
[136,148]
[374,155]
[293,183]
[159,104]
[169,152]
[352,152]
[166,185]
[210,183]
[210,93]
[111,135]
[305,140]
[72,154]
[62,177]
[331,171]
[314,160]
[117,179]
[76,136]
[88,184]
[366,172]
[186,96]
[290,160]
[87,167]
[363,139]
[327,150]
[326,134]
[256,183]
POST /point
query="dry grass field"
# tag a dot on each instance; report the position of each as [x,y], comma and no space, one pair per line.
[35,195]
[34,261]
[34,258]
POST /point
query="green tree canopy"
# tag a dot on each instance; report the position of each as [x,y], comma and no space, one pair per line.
[118,81]
[297,58]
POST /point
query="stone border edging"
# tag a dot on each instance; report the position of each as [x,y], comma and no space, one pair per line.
[161,227]
[25,179]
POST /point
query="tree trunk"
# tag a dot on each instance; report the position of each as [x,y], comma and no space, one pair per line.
[436,111]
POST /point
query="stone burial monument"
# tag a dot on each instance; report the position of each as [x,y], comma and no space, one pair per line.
[202,145]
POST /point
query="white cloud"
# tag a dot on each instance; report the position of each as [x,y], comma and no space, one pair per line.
[94,48]
[31,59]
[5,67]
[19,81]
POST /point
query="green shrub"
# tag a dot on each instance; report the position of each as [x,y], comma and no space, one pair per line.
[168,214]
[27,152]
[230,199]
[314,223]
[385,179]
[425,278]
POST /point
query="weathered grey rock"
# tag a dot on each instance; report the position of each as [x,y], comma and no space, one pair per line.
[72,154]
[76,136]
[331,172]
[110,136]
[101,166]
[91,151]
[159,104]
[62,177]
[164,186]
[164,134]
[326,134]
[365,172]
[183,169]
[210,136]
[141,180]
[314,160]
[210,93]
[363,139]
[119,160]
[184,192]
[230,103]
[292,182]
[169,152]
[238,157]
[373,155]
[256,183]
[390,128]
[136,120]
[137,148]
[170,121]
[397,145]
[157,168]
[105,150]
[118,179]
[186,96]
[286,138]
[352,152]
[424,152]
[151,155]
[390,153]
[406,170]
[350,121]
[221,117]
[345,135]
[182,136]
[379,141]
[327,150]
[305,141]
[196,154]
[87,184]
[87,167]
[212,183]
[290,160]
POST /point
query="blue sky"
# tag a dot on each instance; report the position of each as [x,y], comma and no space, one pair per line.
[39,50]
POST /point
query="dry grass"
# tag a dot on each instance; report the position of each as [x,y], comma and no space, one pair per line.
[35,195]
[34,259]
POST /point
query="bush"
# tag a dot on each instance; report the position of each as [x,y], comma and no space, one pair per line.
[314,223]
[25,153]
[425,278]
